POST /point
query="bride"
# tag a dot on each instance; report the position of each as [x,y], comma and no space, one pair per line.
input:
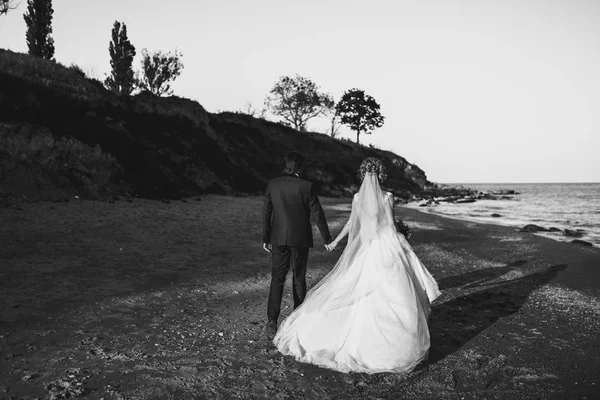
[369,313]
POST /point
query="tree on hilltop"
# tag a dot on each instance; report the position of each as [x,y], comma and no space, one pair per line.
[335,122]
[38,19]
[297,100]
[360,112]
[121,79]
[159,70]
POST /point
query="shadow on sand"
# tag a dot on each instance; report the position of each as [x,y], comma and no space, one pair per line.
[504,291]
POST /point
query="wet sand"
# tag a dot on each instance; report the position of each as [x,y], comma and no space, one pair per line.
[147,300]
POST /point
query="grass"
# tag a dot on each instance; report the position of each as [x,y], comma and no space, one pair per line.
[53,75]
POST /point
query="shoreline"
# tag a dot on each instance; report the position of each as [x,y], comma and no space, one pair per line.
[150,299]
[504,221]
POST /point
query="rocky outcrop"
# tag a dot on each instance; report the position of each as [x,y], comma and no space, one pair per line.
[532,228]
[573,233]
[582,242]
[436,194]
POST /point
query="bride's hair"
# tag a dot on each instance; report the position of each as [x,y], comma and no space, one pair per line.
[374,165]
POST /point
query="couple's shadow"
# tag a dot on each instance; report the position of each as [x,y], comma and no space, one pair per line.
[499,292]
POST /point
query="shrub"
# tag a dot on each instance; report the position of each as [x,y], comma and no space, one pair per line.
[77,69]
[88,169]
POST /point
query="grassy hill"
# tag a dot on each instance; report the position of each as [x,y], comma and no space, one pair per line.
[63,134]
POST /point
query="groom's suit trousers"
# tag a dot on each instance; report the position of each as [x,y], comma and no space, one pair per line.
[284,257]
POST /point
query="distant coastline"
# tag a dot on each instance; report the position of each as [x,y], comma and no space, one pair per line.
[561,211]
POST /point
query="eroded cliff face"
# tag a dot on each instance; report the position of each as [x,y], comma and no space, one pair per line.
[258,146]
[97,144]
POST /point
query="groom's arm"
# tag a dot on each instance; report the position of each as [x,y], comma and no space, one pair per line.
[317,213]
[267,215]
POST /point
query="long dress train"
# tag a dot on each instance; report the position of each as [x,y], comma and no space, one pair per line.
[369,314]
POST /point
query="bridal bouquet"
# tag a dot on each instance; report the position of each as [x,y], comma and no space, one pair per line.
[403,229]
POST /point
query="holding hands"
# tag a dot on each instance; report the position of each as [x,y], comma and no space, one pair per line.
[331,246]
[268,247]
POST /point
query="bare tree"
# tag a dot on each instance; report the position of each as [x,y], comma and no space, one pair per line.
[336,123]
[249,109]
[6,6]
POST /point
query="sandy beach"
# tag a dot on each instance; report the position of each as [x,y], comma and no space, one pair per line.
[153,300]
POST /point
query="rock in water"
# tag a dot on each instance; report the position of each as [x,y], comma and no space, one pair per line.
[581,242]
[533,228]
[573,233]
[494,215]
[553,229]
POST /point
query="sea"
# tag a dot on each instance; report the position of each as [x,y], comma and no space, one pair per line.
[574,206]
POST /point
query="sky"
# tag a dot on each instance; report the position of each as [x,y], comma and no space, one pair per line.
[475,91]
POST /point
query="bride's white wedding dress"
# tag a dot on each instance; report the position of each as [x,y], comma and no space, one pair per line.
[369,314]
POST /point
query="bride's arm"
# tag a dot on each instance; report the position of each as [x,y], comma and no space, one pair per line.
[341,235]
[345,230]
[391,205]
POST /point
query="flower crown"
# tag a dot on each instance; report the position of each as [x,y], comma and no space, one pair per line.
[373,165]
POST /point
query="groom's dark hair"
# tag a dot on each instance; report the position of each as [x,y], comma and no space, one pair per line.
[292,162]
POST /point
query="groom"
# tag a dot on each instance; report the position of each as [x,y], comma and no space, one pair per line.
[290,202]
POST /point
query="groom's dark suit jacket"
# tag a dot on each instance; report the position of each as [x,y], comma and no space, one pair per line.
[290,202]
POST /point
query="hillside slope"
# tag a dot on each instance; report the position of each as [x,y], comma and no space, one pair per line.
[62,134]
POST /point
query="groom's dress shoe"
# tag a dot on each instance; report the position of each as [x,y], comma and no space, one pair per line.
[271,328]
